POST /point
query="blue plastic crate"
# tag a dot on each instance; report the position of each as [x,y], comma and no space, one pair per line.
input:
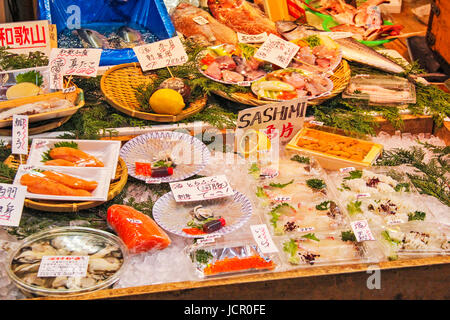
[149,14]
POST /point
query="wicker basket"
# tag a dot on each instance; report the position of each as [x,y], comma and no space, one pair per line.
[116,186]
[340,78]
[118,85]
[46,121]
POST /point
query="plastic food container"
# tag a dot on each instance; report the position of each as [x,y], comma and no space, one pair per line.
[107,257]
[380,90]
[413,240]
[324,248]
[214,260]
[335,159]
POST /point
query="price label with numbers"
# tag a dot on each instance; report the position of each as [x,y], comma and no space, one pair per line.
[347,169]
[277,51]
[12,198]
[161,54]
[201,189]
[63,266]
[263,239]
[200,20]
[362,231]
[20,134]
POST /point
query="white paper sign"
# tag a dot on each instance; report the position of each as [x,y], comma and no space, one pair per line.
[11,204]
[20,134]
[263,239]
[161,54]
[75,62]
[277,51]
[347,169]
[201,189]
[63,266]
[209,238]
[200,20]
[281,120]
[252,38]
[362,231]
[363,195]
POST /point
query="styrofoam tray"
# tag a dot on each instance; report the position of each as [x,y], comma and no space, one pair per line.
[105,151]
[101,175]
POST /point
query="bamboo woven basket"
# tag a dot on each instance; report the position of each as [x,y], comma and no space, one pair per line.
[119,83]
[340,78]
[116,186]
[49,120]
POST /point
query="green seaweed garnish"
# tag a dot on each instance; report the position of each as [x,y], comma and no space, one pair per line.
[354,207]
[355,174]
[402,186]
[388,238]
[300,159]
[291,248]
[316,184]
[323,205]
[280,185]
[311,236]
[313,41]
[348,236]
[416,215]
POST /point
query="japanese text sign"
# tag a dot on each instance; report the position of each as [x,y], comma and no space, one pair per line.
[277,120]
[20,134]
[75,62]
[263,239]
[161,54]
[25,37]
[11,204]
[63,266]
[361,230]
[201,189]
[252,38]
[277,51]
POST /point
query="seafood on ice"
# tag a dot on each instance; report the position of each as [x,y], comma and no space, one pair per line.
[232,64]
[138,231]
[290,83]
[105,259]
[322,248]
[211,33]
[242,16]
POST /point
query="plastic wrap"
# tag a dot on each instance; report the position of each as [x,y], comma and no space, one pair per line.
[149,14]
[138,231]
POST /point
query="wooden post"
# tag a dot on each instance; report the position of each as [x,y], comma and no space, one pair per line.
[2,11]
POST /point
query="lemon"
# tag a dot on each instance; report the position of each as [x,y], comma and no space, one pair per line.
[22,90]
[167,101]
[253,141]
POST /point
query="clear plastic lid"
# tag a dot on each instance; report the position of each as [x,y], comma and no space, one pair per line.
[380,89]
[413,239]
[235,257]
[106,257]
[324,248]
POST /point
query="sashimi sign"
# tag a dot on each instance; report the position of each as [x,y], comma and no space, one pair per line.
[277,120]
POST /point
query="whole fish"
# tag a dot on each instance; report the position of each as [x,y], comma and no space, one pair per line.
[351,49]
[130,35]
[92,39]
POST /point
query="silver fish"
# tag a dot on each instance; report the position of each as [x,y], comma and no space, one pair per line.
[351,49]
[92,38]
[130,35]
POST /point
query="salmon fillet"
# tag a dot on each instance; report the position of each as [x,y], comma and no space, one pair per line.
[40,184]
[138,231]
[213,32]
[69,181]
[80,158]
[59,162]
[242,16]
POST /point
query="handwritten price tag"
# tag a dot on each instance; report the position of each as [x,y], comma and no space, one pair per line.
[362,231]
[201,189]
[252,38]
[20,134]
[277,51]
[63,266]
[263,239]
[12,198]
[347,169]
[75,62]
[161,54]
[200,20]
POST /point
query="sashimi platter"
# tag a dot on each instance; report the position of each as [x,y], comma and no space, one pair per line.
[208,144]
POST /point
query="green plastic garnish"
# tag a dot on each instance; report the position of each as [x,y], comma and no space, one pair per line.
[388,238]
[316,184]
[416,215]
[280,185]
[355,174]
[311,236]
[300,159]
[30,76]
[323,205]
[348,236]
[291,248]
